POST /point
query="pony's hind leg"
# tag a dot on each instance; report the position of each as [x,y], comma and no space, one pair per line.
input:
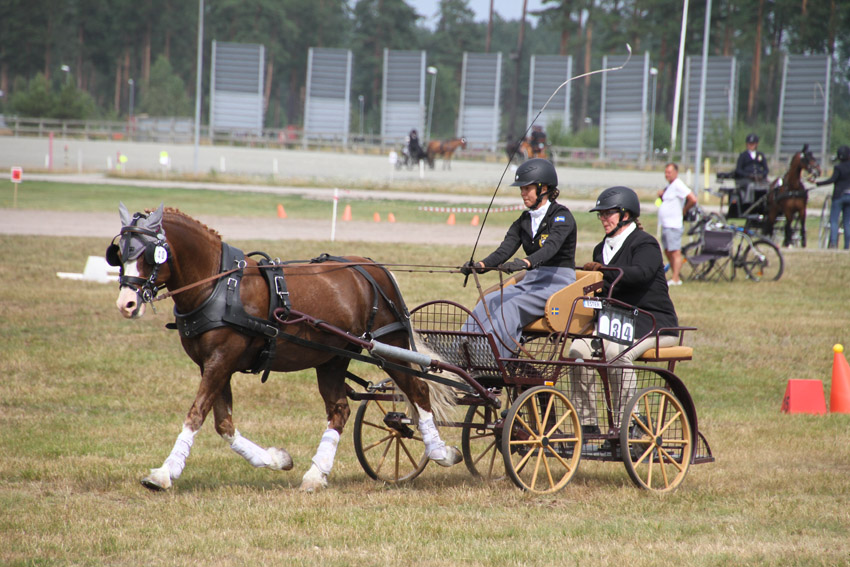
[274,458]
[428,397]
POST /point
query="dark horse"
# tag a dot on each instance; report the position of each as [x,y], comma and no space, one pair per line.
[788,195]
[168,248]
[444,148]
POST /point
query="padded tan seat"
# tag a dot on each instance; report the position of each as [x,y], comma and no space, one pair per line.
[557,312]
[665,354]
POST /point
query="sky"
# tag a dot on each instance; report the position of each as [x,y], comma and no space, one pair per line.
[507,9]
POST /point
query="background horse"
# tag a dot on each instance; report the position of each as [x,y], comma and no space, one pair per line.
[445,149]
[168,248]
[788,195]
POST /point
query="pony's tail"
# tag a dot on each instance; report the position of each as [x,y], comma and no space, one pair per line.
[443,396]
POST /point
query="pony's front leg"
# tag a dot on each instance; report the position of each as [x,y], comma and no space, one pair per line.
[161,478]
[331,381]
[435,448]
[274,458]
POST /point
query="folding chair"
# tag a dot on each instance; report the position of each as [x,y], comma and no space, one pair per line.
[714,254]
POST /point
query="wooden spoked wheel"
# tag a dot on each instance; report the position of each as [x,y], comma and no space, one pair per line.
[655,440]
[541,440]
[481,443]
[390,454]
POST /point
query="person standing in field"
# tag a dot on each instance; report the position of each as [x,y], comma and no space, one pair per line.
[676,200]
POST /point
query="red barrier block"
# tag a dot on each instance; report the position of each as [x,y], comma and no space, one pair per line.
[804,396]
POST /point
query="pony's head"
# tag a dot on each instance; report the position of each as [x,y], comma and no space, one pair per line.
[144,258]
[463,143]
[810,163]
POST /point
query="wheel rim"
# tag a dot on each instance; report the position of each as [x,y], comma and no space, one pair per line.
[541,441]
[385,453]
[763,261]
[481,443]
[657,440]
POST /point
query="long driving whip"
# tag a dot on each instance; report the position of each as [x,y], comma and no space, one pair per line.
[517,144]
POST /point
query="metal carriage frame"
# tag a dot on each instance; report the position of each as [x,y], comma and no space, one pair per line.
[521,419]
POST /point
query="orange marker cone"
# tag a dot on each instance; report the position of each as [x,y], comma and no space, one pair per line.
[376,217]
[451,220]
[390,217]
[475,220]
[839,396]
[281,214]
[346,214]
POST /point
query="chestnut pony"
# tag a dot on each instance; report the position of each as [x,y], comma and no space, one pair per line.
[166,248]
[788,195]
[444,148]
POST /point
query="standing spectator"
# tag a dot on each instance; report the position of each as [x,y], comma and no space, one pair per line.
[840,198]
[676,200]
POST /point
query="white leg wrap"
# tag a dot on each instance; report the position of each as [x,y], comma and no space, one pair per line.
[435,447]
[176,461]
[324,459]
[250,451]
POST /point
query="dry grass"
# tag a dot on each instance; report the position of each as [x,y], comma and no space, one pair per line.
[90,402]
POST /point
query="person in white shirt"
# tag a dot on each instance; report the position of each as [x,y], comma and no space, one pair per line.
[676,200]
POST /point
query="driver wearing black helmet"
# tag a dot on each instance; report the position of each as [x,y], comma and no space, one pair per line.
[643,284]
[547,233]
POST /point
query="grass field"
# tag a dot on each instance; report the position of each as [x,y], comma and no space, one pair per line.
[90,402]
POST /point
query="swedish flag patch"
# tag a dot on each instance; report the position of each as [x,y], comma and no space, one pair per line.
[560,218]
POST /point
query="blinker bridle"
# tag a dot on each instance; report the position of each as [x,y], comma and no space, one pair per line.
[155,250]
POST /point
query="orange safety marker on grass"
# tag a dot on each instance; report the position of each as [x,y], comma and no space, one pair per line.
[376,217]
[281,213]
[474,221]
[451,220]
[839,396]
[804,396]
[390,217]
[346,214]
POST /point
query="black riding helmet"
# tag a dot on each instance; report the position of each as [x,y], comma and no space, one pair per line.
[752,138]
[843,153]
[622,199]
[538,171]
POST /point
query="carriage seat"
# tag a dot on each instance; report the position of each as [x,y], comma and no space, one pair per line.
[667,354]
[558,306]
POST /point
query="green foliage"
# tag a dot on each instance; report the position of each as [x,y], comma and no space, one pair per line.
[165,95]
[32,98]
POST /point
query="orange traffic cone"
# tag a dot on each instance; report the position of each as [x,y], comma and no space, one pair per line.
[475,220]
[451,220]
[839,396]
[390,217]
[376,217]
[346,214]
[281,214]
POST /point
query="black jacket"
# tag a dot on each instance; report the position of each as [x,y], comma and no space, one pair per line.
[553,245]
[748,167]
[643,284]
[841,178]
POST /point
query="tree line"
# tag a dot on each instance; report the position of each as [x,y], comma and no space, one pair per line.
[81,58]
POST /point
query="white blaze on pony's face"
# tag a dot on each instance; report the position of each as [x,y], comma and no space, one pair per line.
[129,303]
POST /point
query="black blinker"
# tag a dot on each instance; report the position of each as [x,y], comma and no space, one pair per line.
[112,257]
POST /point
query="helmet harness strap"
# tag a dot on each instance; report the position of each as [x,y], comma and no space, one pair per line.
[623,222]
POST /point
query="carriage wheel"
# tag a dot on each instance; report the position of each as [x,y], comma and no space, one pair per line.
[824,226]
[763,261]
[541,440]
[391,454]
[657,443]
[481,442]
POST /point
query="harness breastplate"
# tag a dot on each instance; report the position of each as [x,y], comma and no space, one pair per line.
[210,314]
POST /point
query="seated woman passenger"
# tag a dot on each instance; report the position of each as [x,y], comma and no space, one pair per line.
[627,246]
[547,234]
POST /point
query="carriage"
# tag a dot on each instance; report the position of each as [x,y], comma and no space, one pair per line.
[522,415]
[771,208]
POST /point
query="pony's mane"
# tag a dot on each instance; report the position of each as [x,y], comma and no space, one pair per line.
[181,215]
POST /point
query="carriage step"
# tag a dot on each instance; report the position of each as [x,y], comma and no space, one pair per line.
[400,422]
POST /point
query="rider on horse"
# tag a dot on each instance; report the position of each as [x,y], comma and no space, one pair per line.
[413,147]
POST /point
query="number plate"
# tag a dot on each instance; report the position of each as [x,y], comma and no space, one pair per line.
[617,324]
[592,303]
